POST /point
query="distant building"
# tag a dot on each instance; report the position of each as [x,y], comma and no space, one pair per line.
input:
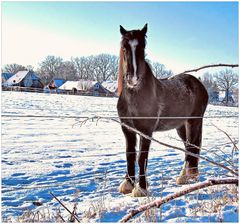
[53,85]
[84,87]
[70,87]
[6,76]
[24,79]
[98,90]
[111,86]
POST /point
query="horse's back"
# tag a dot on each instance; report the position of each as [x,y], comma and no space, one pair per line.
[197,88]
[188,88]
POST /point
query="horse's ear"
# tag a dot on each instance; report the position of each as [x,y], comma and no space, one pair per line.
[144,29]
[122,30]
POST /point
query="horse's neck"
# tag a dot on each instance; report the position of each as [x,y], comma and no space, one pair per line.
[148,74]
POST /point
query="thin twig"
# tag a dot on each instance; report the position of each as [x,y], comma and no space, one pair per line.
[207,150]
[233,142]
[157,203]
[59,215]
[61,218]
[76,218]
[73,213]
[210,66]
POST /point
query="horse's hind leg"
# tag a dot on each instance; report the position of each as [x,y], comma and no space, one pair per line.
[127,185]
[183,135]
[192,140]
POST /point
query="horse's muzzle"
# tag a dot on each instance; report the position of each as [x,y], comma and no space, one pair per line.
[132,81]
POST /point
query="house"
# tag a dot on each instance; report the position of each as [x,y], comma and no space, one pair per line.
[24,79]
[53,85]
[6,76]
[84,87]
[69,87]
[98,90]
[111,86]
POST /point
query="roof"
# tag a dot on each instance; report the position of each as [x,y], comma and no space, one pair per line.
[79,85]
[110,86]
[18,77]
[59,82]
[69,85]
[7,75]
[56,82]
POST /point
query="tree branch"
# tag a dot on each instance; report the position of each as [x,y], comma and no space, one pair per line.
[174,147]
[157,203]
[161,143]
[210,66]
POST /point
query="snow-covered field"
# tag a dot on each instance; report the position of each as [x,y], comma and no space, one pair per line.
[86,163]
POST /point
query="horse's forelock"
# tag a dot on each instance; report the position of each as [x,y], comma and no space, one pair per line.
[134,34]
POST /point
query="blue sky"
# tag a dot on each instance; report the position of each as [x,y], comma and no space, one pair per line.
[181,35]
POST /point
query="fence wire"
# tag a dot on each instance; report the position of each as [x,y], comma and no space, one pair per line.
[94,118]
[113,117]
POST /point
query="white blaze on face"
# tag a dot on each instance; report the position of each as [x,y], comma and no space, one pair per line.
[133,44]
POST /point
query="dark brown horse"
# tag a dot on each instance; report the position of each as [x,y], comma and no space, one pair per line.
[142,95]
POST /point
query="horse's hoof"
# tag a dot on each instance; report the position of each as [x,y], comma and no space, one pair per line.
[182,180]
[187,176]
[126,187]
[139,192]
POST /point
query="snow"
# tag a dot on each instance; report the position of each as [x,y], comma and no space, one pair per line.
[85,162]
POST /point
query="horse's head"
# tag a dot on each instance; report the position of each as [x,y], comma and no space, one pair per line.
[132,56]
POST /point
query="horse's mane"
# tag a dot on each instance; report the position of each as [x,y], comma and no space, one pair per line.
[120,72]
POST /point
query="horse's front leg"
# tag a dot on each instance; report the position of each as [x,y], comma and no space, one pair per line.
[127,185]
[140,190]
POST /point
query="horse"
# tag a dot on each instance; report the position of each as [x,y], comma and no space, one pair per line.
[142,95]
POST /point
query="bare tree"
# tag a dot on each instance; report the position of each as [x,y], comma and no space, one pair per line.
[207,80]
[226,81]
[14,68]
[81,65]
[159,70]
[67,71]
[49,68]
[92,69]
[236,95]
[105,67]
[113,67]
[100,67]
[211,86]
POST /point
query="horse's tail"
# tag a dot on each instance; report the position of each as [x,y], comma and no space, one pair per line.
[120,72]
